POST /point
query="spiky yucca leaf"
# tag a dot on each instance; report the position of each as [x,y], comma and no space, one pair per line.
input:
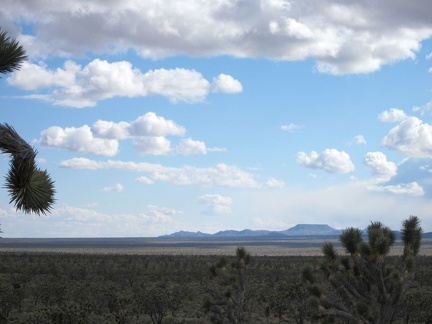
[12,54]
[350,239]
[411,235]
[242,254]
[34,194]
[30,189]
[365,249]
[11,143]
[329,251]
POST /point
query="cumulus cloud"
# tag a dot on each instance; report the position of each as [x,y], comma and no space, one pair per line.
[79,87]
[216,204]
[341,36]
[118,187]
[379,165]
[149,133]
[330,160]
[218,175]
[110,130]
[153,145]
[189,146]
[151,124]
[226,83]
[412,137]
[392,115]
[79,140]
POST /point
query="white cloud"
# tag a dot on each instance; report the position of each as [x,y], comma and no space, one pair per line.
[79,87]
[152,125]
[290,127]
[359,139]
[157,214]
[216,199]
[412,137]
[330,160]
[227,84]
[216,204]
[343,37]
[154,145]
[118,187]
[274,183]
[79,140]
[218,175]
[425,108]
[189,146]
[145,180]
[382,168]
[69,221]
[148,133]
[358,203]
[34,77]
[392,115]
[110,130]
[412,189]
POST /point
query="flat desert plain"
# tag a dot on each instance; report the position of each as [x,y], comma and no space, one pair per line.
[260,246]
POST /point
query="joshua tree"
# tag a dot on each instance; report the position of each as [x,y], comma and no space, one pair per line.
[30,188]
[367,288]
[228,300]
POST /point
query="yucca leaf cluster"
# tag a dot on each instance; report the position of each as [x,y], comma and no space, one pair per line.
[366,286]
[30,188]
[12,54]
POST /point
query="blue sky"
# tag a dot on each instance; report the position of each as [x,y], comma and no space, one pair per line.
[159,116]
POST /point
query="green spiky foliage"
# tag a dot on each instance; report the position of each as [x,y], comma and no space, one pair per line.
[34,194]
[227,300]
[12,54]
[367,287]
[30,188]
[411,236]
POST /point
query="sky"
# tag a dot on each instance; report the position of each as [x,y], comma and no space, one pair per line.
[206,115]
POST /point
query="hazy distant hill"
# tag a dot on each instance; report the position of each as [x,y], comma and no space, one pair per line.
[300,230]
[246,232]
[187,234]
[312,229]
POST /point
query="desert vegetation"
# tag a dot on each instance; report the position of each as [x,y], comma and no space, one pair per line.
[359,281]
[115,288]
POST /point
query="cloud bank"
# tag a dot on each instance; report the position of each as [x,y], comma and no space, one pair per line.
[79,87]
[149,133]
[343,37]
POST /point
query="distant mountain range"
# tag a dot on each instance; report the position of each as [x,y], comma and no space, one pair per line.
[298,230]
